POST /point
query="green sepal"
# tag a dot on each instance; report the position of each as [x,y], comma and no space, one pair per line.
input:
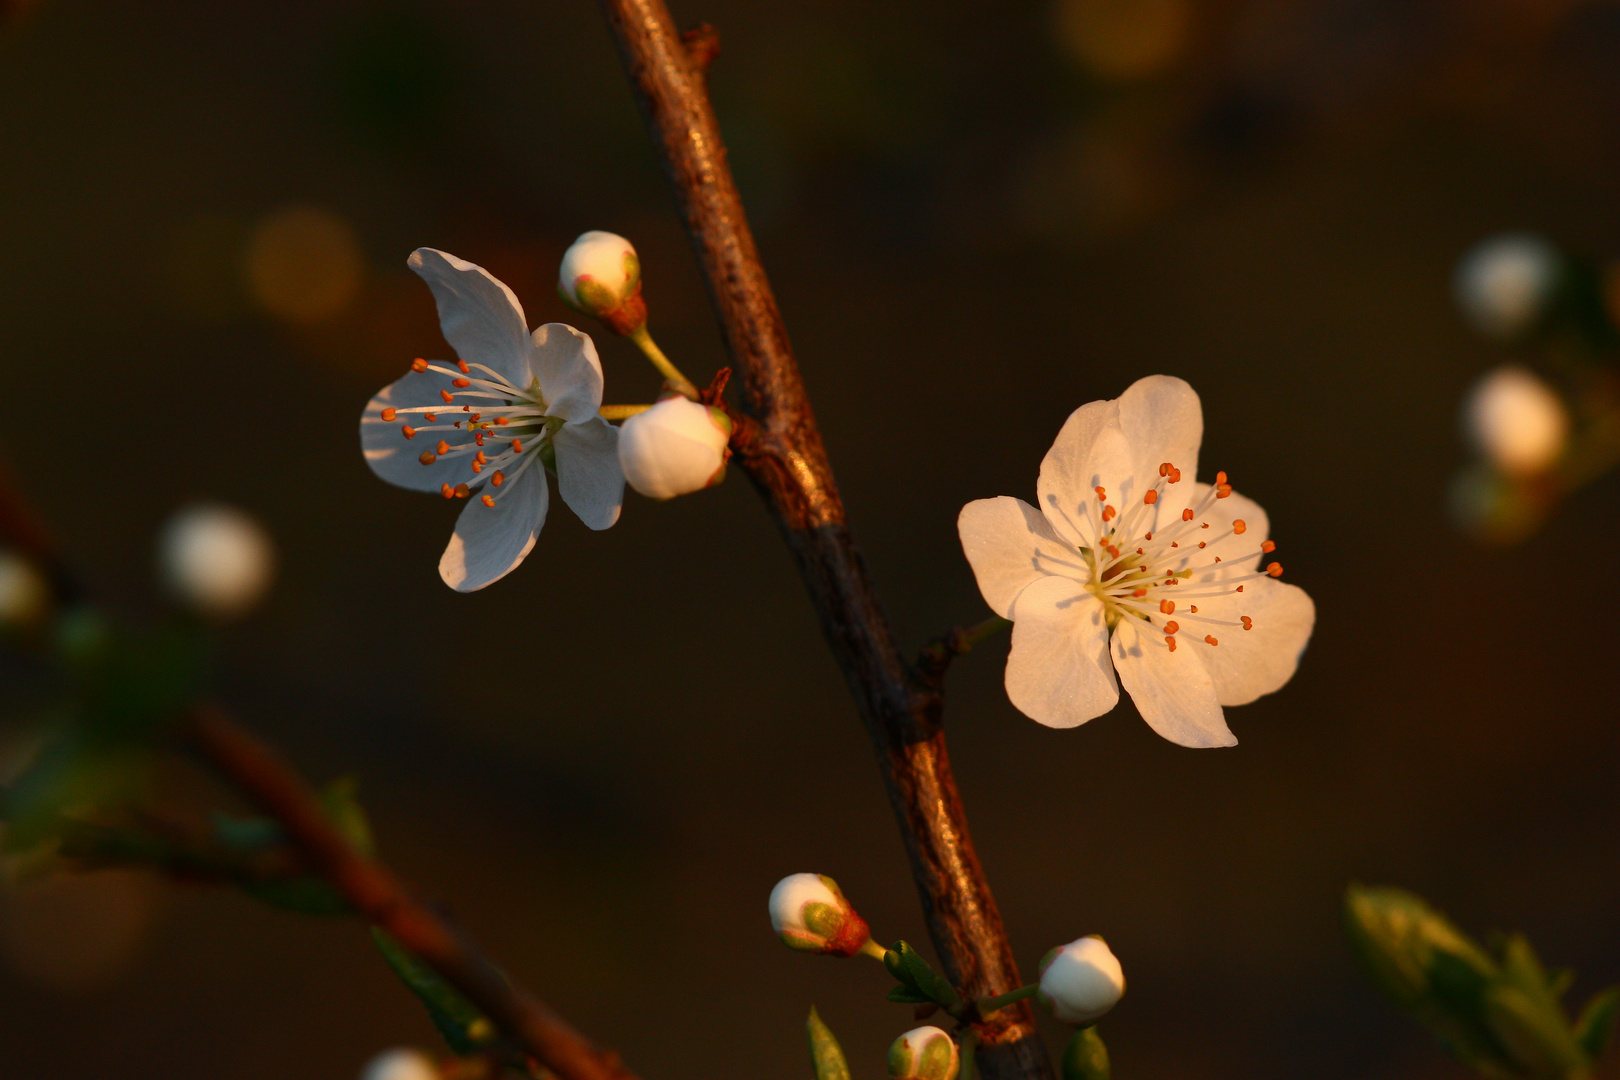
[911,970]
[463,1026]
[905,995]
[1085,1057]
[309,894]
[1537,1040]
[823,919]
[826,1056]
[1596,1024]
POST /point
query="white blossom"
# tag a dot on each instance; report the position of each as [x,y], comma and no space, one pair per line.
[215,559]
[486,428]
[1517,421]
[401,1063]
[24,592]
[599,272]
[1131,566]
[924,1053]
[1081,980]
[676,447]
[809,913]
[1504,284]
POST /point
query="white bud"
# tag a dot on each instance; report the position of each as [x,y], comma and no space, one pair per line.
[401,1063]
[924,1053]
[1505,284]
[600,273]
[24,593]
[676,447]
[215,560]
[809,913]
[1081,981]
[1517,421]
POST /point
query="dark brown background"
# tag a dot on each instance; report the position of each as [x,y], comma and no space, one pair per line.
[604,762]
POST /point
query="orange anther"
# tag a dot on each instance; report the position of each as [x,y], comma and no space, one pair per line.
[466,408]
[1150,498]
[444,447]
[447,491]
[1175,475]
[1101,493]
[488,500]
[498,479]
[1240,588]
[1167,606]
[1220,478]
[1209,639]
[1268,547]
[462,491]
[478,466]
[1248,623]
[460,384]
[1275,569]
[1170,641]
[1193,609]
[517,446]
[502,421]
[1217,558]
[429,417]
[1150,536]
[1174,544]
[1164,468]
[1138,593]
[480,458]
[476,415]
[428,457]
[1201,544]
[479,438]
[388,416]
[1113,552]
[1187,514]
[1240,526]
[1172,627]
[1223,491]
[408,431]
[462,364]
[1108,513]
[419,365]
[447,395]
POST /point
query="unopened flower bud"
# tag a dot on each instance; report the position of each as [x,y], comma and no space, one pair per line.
[676,447]
[1080,981]
[24,593]
[601,276]
[216,560]
[1506,283]
[401,1063]
[925,1053]
[810,914]
[1517,421]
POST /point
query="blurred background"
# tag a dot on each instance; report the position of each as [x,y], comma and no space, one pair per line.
[977,217]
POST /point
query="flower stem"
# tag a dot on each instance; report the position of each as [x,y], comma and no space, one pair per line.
[979,633]
[874,950]
[989,1005]
[666,367]
[621,412]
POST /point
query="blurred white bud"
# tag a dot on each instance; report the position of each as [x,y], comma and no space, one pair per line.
[1505,284]
[925,1053]
[601,276]
[1080,981]
[24,592]
[401,1063]
[216,560]
[1517,421]
[676,447]
[810,914]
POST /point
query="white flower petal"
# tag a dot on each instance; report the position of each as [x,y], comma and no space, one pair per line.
[570,374]
[1249,663]
[1058,671]
[589,477]
[1172,690]
[480,317]
[1162,421]
[490,541]
[394,457]
[1091,446]
[1009,544]
[1237,551]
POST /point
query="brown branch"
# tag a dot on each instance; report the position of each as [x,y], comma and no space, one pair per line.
[783,454]
[271,784]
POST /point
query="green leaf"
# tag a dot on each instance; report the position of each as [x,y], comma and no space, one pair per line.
[905,995]
[826,1056]
[1592,1030]
[912,971]
[1085,1057]
[1538,1039]
[458,1020]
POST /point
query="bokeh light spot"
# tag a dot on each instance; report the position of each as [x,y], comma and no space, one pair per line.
[303,264]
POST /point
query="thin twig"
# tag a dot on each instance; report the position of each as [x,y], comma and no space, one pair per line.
[271,784]
[783,454]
